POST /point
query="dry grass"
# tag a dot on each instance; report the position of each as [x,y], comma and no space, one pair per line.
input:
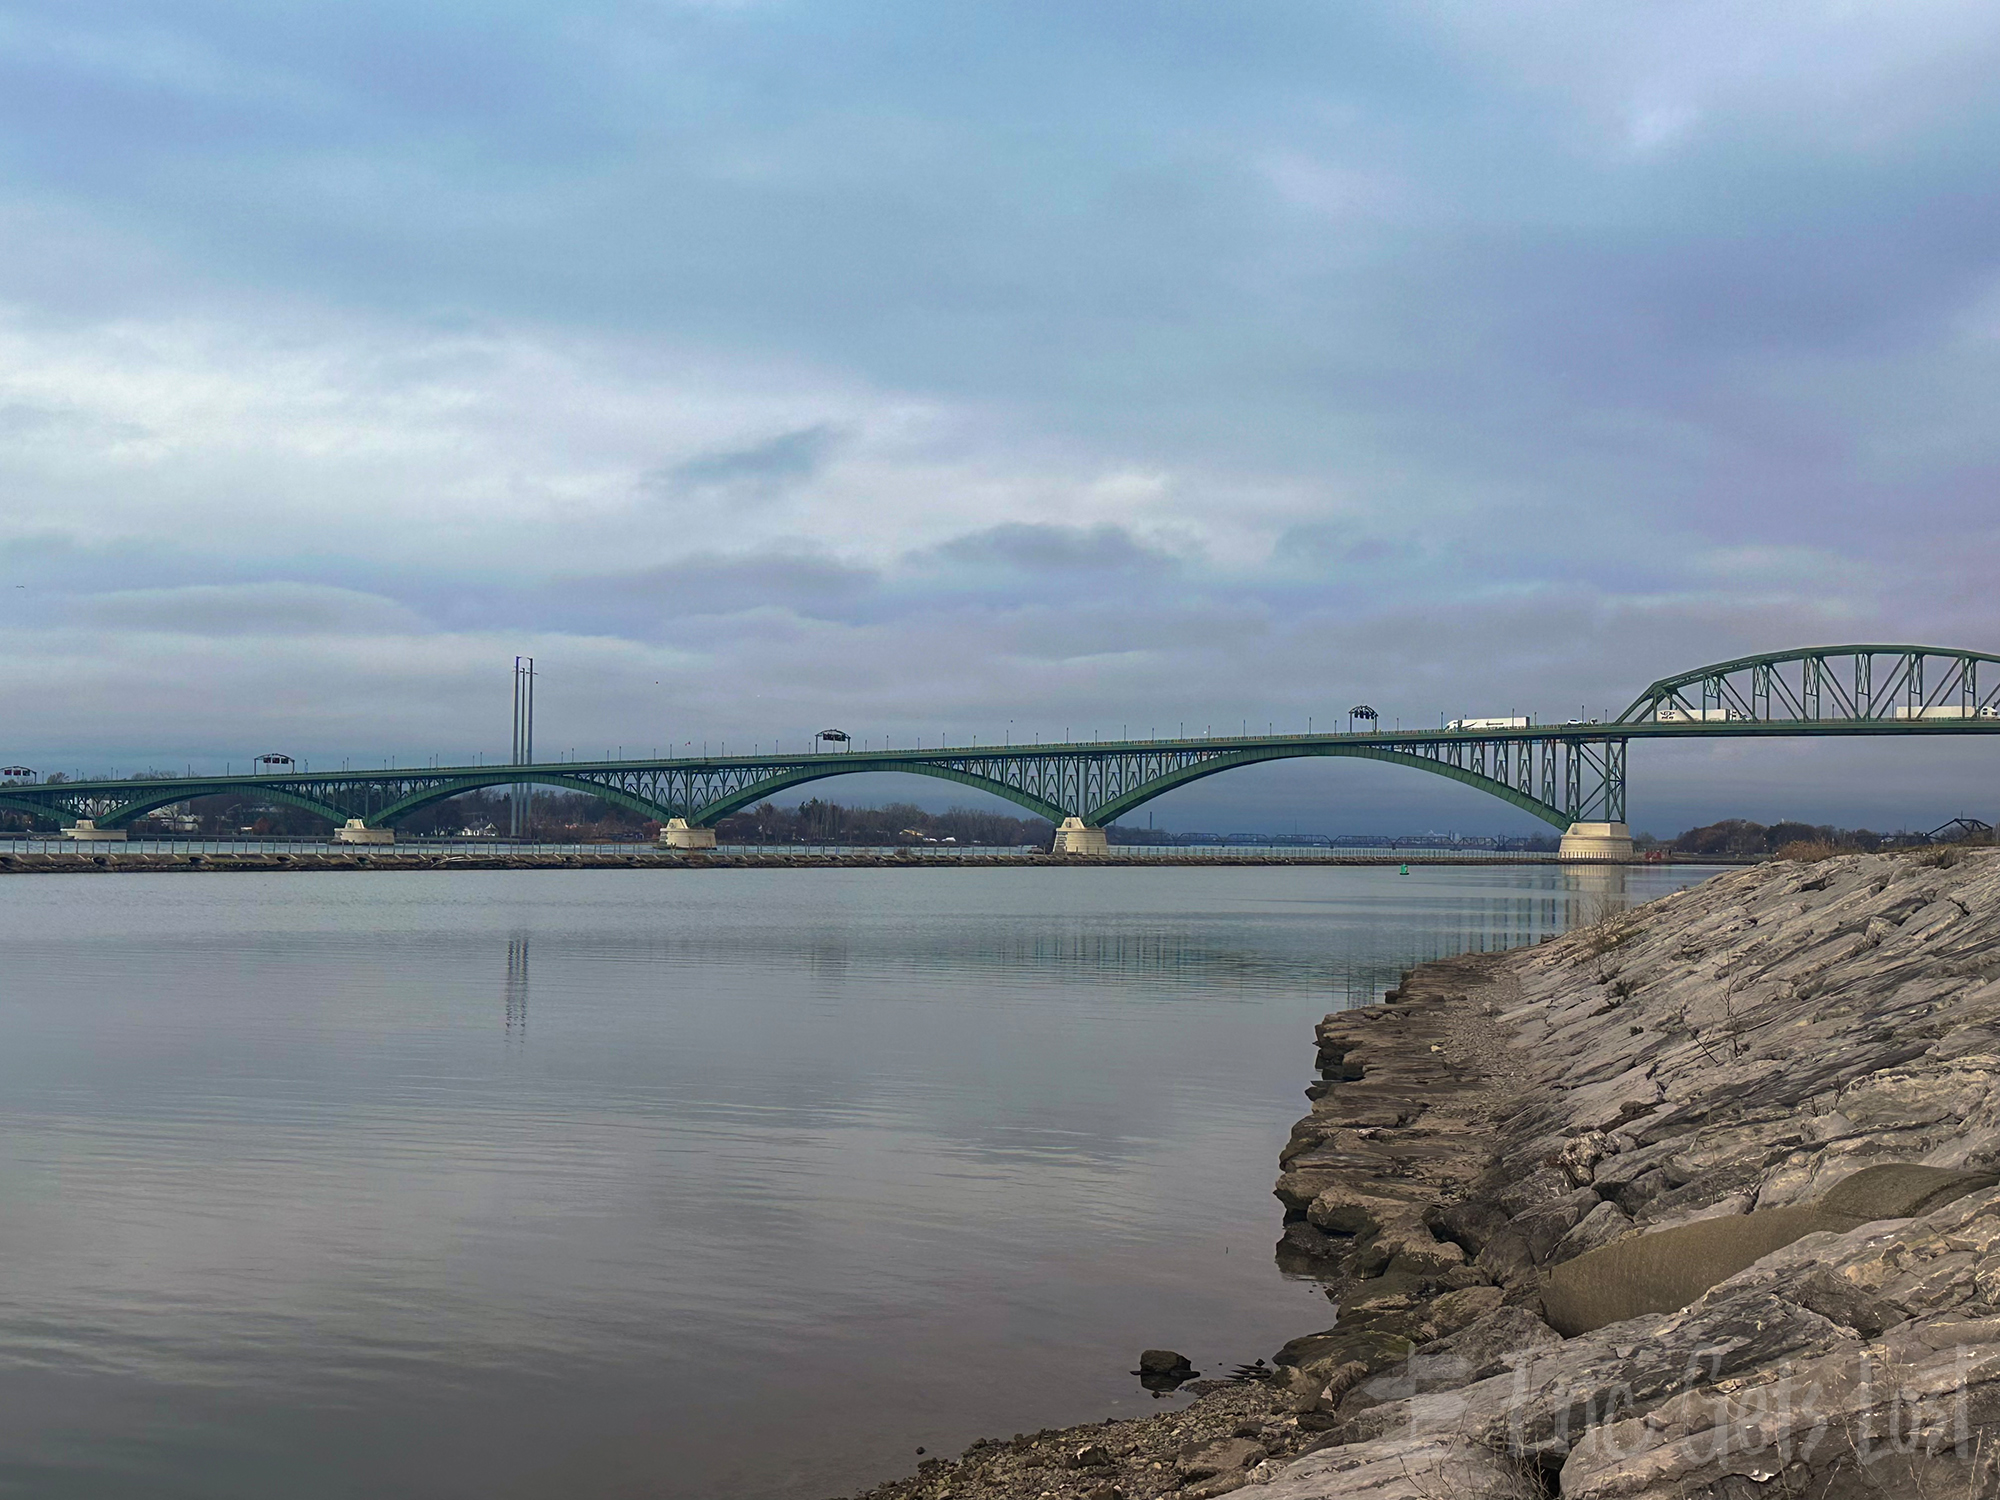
[1810,851]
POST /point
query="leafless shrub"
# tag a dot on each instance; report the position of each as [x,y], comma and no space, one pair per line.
[1605,926]
[1909,1439]
[1596,910]
[1471,1468]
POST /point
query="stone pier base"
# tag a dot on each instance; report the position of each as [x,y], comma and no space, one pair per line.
[1076,837]
[86,829]
[354,831]
[1596,841]
[678,835]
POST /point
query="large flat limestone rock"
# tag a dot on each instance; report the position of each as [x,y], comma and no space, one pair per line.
[1743,1047]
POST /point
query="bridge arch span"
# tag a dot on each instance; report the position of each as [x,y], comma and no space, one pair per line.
[139,807]
[458,786]
[32,809]
[1117,807]
[749,796]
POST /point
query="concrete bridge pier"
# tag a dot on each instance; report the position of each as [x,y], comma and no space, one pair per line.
[678,835]
[1596,841]
[354,831]
[1077,837]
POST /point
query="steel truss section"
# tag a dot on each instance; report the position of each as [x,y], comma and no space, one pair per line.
[1830,685]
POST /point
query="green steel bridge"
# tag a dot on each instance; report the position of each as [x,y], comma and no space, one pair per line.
[1571,775]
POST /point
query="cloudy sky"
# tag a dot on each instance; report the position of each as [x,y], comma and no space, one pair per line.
[991,368]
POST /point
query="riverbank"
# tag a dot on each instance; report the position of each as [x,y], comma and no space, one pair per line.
[1489,1154]
[100,859]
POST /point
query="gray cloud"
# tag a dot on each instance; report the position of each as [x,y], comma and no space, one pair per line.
[1342,545]
[20,420]
[721,584]
[1456,357]
[1036,548]
[274,609]
[759,468]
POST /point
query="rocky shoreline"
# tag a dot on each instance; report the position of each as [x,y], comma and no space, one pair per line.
[1710,1068]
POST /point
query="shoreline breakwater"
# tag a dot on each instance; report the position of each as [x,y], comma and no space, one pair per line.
[1741,1145]
[86,860]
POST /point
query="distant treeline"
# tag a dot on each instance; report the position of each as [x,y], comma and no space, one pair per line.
[818,822]
[1738,838]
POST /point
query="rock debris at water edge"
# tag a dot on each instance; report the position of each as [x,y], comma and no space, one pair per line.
[1789,1074]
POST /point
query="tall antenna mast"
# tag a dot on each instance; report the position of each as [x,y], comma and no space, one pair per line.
[522,803]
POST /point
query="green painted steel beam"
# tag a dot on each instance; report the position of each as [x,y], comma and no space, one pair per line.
[1774,695]
[119,817]
[458,786]
[1762,665]
[1800,729]
[576,774]
[1139,796]
[716,811]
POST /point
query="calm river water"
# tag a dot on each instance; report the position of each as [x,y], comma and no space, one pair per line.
[741,1183]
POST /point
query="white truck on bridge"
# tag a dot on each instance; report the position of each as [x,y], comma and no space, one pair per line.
[1673,713]
[1516,722]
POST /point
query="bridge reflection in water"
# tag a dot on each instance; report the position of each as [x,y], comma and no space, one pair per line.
[517,987]
[1346,934]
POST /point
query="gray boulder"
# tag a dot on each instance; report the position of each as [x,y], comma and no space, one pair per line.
[1218,1456]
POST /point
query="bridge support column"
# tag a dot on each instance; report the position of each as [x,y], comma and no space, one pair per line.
[1076,837]
[85,829]
[678,835]
[354,831]
[1596,841]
